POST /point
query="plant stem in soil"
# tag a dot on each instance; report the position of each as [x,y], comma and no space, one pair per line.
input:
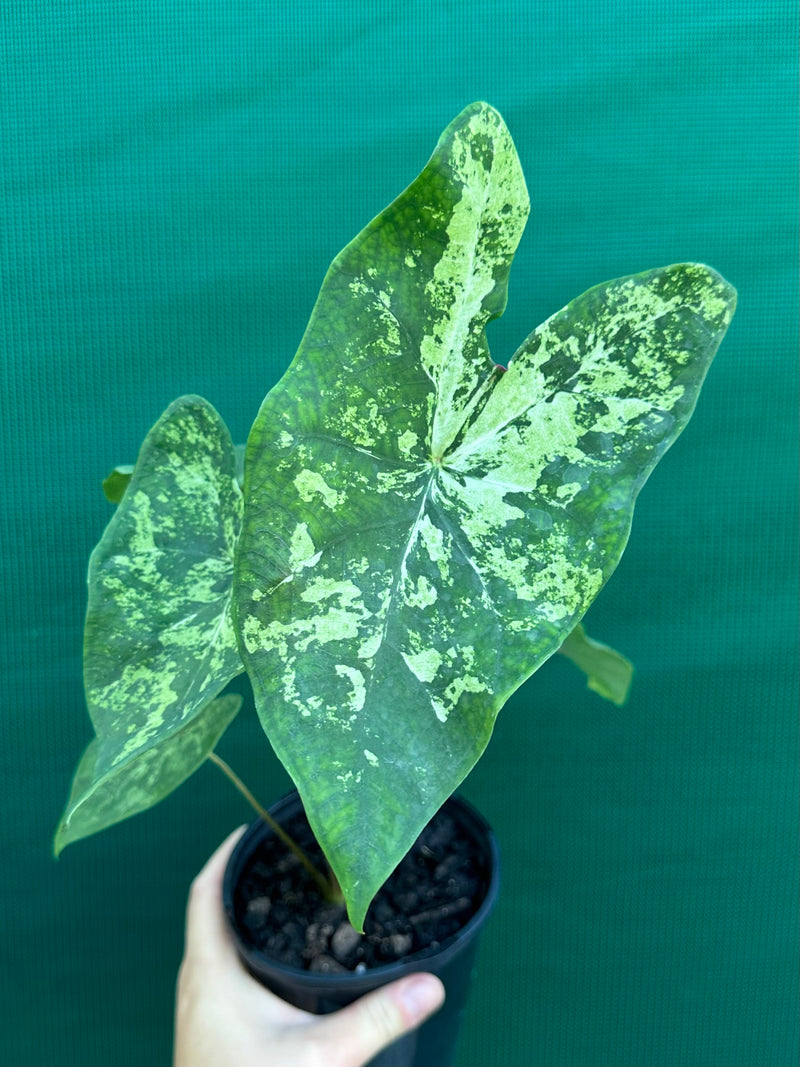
[328,890]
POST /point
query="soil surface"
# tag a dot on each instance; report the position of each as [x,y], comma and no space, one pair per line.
[433,892]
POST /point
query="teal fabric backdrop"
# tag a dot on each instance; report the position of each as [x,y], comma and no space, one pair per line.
[175,179]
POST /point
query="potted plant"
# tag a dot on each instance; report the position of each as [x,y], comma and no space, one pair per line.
[412,531]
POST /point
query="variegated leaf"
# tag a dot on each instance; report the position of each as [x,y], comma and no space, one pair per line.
[159,642]
[422,530]
[102,798]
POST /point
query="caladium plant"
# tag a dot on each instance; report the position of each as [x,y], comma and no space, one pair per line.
[417,531]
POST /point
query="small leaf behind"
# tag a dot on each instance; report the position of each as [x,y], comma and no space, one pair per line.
[608,672]
[115,485]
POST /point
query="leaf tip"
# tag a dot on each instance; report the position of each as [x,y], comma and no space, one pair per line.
[59,844]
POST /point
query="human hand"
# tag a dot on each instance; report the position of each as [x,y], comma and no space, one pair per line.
[225,1018]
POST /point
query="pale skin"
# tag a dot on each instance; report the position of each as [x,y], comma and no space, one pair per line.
[224,1018]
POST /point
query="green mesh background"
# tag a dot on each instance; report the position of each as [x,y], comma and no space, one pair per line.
[175,179]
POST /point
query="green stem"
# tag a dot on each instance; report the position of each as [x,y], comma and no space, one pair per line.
[328,891]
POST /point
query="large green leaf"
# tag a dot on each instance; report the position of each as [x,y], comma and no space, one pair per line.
[102,798]
[423,530]
[159,642]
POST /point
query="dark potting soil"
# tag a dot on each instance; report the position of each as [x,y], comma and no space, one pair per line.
[433,892]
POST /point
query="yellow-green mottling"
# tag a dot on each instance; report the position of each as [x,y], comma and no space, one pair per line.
[421,530]
[447,524]
[159,642]
[101,799]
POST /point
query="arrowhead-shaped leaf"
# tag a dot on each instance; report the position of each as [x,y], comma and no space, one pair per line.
[159,642]
[422,530]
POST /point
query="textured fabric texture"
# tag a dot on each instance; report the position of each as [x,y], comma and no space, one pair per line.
[175,180]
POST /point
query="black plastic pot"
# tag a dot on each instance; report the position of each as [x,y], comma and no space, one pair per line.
[433,1044]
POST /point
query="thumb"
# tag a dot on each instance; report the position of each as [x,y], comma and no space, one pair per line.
[379,1018]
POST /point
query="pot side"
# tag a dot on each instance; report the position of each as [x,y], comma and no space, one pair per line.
[433,1044]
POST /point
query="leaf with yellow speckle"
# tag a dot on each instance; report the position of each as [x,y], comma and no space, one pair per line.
[101,798]
[422,530]
[159,643]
